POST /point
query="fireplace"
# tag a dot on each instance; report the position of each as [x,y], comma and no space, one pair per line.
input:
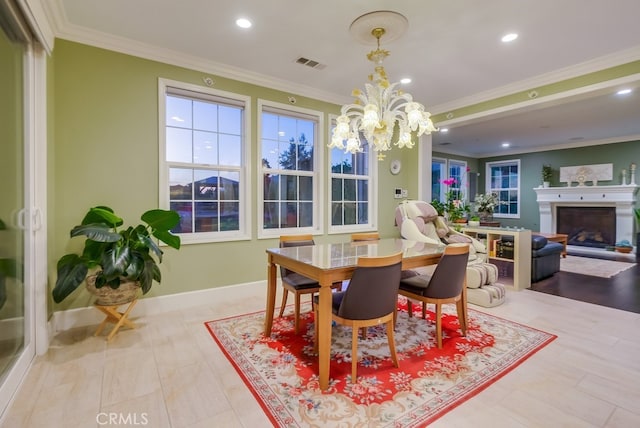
[619,198]
[587,226]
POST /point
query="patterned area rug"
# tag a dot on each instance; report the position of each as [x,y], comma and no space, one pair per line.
[593,267]
[281,370]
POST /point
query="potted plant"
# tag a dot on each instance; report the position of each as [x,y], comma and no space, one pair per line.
[547,173]
[474,221]
[116,258]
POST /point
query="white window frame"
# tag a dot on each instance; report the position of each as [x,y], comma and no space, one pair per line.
[489,189]
[244,232]
[372,177]
[447,166]
[318,155]
[464,193]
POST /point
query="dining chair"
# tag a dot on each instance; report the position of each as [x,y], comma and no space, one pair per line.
[365,236]
[370,300]
[294,282]
[447,284]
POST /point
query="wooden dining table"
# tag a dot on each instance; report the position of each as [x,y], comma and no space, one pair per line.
[330,263]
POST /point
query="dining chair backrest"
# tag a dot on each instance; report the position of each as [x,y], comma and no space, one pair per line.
[448,277]
[365,236]
[294,241]
[373,290]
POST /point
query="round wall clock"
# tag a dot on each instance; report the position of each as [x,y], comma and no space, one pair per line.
[395,166]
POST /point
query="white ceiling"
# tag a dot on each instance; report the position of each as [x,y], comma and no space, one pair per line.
[451,50]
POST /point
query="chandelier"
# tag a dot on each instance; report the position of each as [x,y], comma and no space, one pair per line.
[376,111]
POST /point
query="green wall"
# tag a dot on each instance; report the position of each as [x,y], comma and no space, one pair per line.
[104,151]
[621,155]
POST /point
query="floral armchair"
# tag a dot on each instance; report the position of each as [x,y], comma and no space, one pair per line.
[419,221]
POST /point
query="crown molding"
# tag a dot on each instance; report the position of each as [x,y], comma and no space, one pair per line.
[63,29]
[67,31]
[568,145]
[577,70]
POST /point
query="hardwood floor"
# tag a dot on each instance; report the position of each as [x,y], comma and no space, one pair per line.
[620,292]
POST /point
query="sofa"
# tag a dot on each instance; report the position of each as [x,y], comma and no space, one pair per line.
[545,256]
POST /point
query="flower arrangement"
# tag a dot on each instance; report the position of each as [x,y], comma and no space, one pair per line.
[453,208]
[487,203]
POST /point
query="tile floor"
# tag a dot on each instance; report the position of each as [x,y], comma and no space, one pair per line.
[170,373]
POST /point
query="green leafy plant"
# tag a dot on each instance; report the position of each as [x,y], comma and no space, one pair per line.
[116,254]
[439,206]
[475,218]
[547,172]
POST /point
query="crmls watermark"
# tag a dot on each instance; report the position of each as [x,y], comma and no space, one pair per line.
[116,419]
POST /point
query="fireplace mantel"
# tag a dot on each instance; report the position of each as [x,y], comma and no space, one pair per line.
[621,197]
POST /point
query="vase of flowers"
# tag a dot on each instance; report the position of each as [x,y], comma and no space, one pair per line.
[485,205]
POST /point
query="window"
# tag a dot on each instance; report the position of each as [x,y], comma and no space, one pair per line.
[352,187]
[289,168]
[456,170]
[438,174]
[504,180]
[203,167]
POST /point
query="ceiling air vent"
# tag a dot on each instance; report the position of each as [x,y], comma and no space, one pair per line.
[310,63]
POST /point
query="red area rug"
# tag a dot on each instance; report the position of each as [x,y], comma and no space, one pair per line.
[281,370]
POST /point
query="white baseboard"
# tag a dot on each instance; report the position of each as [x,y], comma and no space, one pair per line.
[81,317]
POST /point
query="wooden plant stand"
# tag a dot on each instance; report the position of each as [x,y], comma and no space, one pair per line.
[118,318]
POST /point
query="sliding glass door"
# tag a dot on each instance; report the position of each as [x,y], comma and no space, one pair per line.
[12,249]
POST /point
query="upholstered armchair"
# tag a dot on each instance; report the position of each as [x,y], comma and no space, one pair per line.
[419,221]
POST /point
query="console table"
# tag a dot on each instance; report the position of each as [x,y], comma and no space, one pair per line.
[521,261]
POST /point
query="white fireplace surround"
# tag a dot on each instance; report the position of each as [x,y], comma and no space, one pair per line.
[623,198]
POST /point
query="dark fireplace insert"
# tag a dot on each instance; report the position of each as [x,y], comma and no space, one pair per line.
[587,226]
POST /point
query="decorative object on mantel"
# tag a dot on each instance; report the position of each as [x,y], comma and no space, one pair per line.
[547,173]
[632,168]
[582,174]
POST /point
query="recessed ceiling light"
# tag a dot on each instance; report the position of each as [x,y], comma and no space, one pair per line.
[243,23]
[405,80]
[444,129]
[505,144]
[509,37]
[624,91]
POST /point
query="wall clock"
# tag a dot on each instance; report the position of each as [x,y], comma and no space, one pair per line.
[395,166]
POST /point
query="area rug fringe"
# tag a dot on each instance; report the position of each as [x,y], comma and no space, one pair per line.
[281,370]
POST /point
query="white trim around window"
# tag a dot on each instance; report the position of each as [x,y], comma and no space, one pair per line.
[287,110]
[371,176]
[507,190]
[243,171]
